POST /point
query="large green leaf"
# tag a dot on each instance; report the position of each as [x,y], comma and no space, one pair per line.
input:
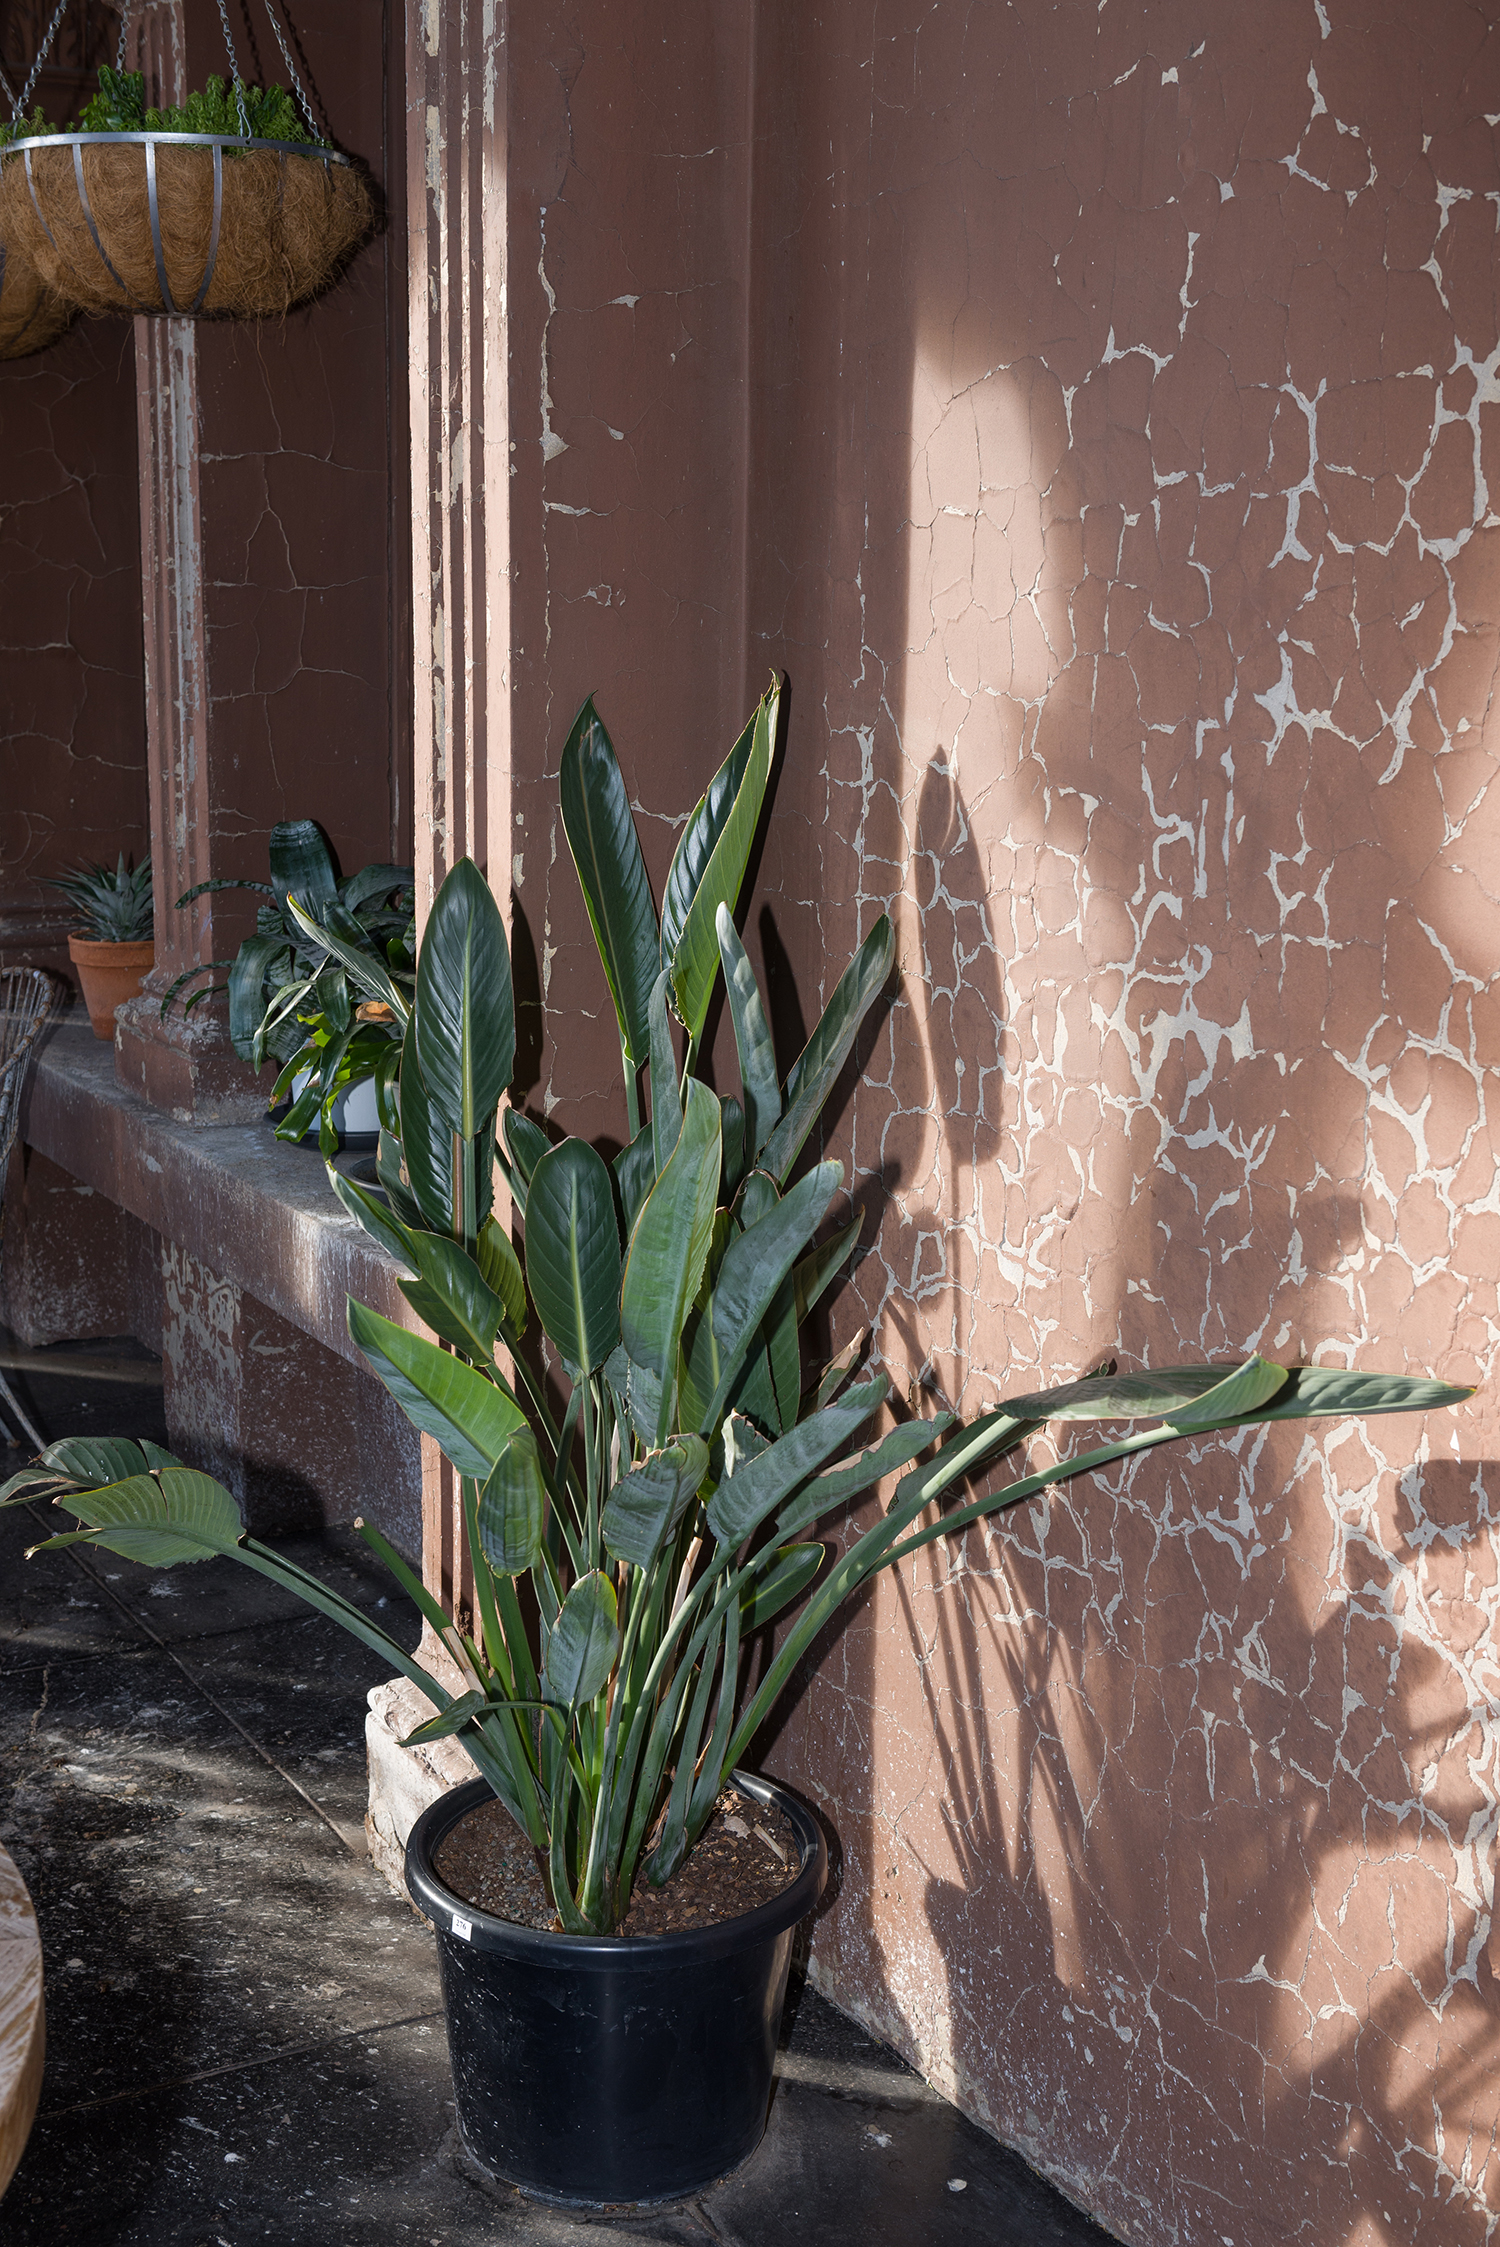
[778,1585]
[666,1098]
[247,1003]
[465,1012]
[183,1516]
[339,933]
[373,881]
[752,1037]
[607,852]
[426,1141]
[581,1649]
[670,1244]
[301,866]
[742,1502]
[380,1222]
[453,1295]
[527,1143]
[709,865]
[1315,1392]
[573,1253]
[500,1268]
[510,1507]
[814,1072]
[635,1173]
[469,1418]
[645,1506]
[755,1266]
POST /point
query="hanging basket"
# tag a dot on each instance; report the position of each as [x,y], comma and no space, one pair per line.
[30,315]
[181,222]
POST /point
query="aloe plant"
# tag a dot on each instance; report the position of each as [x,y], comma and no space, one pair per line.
[289,987]
[660,1502]
[114,903]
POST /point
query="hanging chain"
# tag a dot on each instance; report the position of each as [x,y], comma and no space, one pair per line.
[41,55]
[120,45]
[291,68]
[234,71]
[6,87]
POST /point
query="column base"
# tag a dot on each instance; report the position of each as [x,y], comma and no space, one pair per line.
[186,1065]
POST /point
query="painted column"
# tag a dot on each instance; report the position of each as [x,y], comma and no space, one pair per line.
[456,175]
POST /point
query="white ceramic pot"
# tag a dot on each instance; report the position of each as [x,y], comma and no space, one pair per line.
[355,1115]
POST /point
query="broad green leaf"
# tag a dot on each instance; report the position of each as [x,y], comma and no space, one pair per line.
[1316,1392]
[510,1507]
[247,1002]
[468,1417]
[814,1072]
[184,1516]
[785,1580]
[526,1140]
[752,1036]
[645,1506]
[426,1141]
[501,1270]
[447,1721]
[339,933]
[666,1096]
[94,1459]
[709,865]
[581,1650]
[670,1245]
[465,1012]
[822,1265]
[732,1128]
[638,1394]
[453,1296]
[372,882]
[607,853]
[1169,1393]
[740,1504]
[756,1264]
[301,866]
[573,1253]
[838,1485]
[381,1223]
[635,1173]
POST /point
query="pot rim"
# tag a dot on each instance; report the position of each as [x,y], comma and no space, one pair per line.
[108,943]
[174,140]
[542,1947]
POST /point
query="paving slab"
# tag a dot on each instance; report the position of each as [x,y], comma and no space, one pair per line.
[245,2034]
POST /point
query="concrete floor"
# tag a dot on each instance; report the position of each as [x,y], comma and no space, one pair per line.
[245,2038]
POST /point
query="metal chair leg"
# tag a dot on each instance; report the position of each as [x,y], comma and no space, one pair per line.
[13,1403]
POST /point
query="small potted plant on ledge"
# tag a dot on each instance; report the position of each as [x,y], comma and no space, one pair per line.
[641,1484]
[114,949]
[291,996]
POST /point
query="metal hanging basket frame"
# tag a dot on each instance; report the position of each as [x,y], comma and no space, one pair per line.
[216,142]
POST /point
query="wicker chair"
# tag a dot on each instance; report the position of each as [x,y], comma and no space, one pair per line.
[28,998]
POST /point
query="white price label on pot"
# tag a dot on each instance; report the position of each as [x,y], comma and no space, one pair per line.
[463,1928]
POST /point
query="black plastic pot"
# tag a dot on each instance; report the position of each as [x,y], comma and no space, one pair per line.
[595,2069]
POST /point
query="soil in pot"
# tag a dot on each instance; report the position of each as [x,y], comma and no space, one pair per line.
[747,1854]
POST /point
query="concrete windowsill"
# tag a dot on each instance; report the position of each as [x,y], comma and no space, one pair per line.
[255,1211]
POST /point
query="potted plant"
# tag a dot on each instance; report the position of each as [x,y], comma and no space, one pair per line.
[641,1491]
[114,949]
[290,993]
[227,203]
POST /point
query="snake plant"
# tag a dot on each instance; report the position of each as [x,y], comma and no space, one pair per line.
[643,1443]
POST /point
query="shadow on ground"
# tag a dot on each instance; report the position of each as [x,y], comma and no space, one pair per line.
[245,2039]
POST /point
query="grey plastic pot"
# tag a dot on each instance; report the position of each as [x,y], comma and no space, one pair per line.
[593,2070]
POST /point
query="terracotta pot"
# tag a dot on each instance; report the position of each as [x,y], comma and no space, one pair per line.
[110,974]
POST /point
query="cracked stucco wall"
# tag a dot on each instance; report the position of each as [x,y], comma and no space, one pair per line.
[72,708]
[1093,409]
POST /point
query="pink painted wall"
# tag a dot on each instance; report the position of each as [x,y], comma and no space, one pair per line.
[1125,445]
[1094,409]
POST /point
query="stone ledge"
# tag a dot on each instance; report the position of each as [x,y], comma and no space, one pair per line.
[253,1210]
